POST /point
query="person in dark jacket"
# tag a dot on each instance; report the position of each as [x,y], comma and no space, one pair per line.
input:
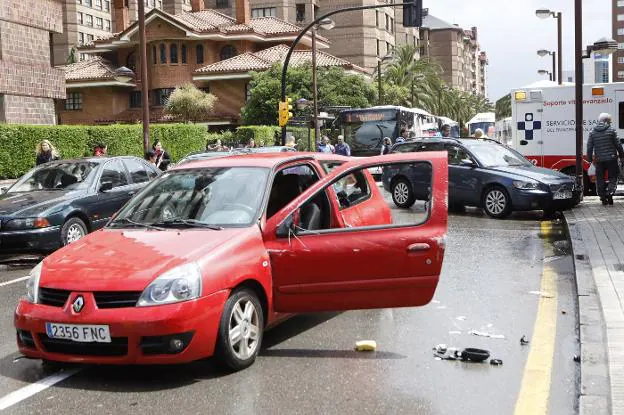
[603,149]
[162,157]
[46,152]
[342,148]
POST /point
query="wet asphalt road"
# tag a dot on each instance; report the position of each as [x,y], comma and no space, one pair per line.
[308,366]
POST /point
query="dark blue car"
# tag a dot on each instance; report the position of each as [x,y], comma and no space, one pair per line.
[485,174]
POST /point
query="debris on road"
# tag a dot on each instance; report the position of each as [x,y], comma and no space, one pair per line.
[543,294]
[455,332]
[442,352]
[564,312]
[366,346]
[524,341]
[496,362]
[486,334]
[461,318]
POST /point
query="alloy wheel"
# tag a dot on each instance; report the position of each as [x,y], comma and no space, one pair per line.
[244,329]
[401,192]
[74,233]
[495,202]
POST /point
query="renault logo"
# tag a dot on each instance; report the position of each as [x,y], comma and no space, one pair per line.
[78,304]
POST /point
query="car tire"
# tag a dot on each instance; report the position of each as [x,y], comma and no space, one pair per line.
[237,345]
[73,230]
[402,193]
[496,202]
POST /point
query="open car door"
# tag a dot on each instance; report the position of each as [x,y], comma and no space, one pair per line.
[369,266]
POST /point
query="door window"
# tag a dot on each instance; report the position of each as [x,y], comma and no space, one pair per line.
[352,190]
[115,173]
[138,174]
[288,184]
[456,155]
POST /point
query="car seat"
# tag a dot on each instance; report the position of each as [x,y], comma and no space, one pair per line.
[286,187]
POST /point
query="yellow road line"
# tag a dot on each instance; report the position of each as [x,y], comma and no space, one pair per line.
[535,389]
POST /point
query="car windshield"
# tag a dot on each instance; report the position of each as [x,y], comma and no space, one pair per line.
[55,176]
[493,155]
[201,197]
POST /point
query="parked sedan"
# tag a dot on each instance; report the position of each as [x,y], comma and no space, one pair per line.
[486,174]
[211,253]
[59,202]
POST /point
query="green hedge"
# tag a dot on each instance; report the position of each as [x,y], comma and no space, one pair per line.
[18,142]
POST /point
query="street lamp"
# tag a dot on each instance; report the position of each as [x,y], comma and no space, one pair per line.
[602,46]
[385,59]
[325,24]
[545,14]
[545,72]
[123,74]
[544,52]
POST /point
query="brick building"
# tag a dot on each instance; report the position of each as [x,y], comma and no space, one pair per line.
[28,82]
[209,49]
[618,34]
[457,51]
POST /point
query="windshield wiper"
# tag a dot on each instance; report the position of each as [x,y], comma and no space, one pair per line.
[127,221]
[191,223]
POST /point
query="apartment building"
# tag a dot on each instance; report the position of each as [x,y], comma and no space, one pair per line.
[457,50]
[28,82]
[618,35]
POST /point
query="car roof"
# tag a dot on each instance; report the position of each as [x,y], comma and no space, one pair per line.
[92,159]
[268,160]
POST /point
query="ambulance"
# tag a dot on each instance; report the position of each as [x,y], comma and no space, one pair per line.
[544,127]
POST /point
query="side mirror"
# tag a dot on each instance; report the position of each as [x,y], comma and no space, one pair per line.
[286,227]
[3,189]
[106,186]
[468,163]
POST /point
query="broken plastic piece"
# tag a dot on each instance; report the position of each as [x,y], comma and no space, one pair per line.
[485,334]
[524,341]
[366,346]
[461,318]
[496,362]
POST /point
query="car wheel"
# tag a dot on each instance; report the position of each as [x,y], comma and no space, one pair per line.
[73,230]
[240,330]
[496,203]
[402,193]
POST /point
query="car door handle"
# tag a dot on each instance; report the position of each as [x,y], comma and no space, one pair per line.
[419,247]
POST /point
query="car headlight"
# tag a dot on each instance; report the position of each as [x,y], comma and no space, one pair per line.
[526,185]
[32,286]
[181,283]
[27,223]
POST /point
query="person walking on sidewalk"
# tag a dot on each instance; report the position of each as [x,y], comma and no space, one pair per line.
[603,149]
[46,152]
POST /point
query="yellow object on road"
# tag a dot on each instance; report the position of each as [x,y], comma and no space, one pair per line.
[366,346]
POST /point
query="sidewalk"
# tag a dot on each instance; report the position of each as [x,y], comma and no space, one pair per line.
[597,235]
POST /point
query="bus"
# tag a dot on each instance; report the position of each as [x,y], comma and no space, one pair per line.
[365,128]
[485,121]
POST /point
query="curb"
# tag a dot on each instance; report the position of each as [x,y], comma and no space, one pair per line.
[595,387]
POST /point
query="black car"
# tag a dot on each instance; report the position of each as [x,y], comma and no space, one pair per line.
[59,202]
[486,174]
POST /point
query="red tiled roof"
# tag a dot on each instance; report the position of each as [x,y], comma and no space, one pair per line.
[90,69]
[205,21]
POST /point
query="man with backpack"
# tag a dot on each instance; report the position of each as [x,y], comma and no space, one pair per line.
[603,149]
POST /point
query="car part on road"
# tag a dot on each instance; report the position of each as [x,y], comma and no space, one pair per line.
[542,294]
[402,193]
[366,346]
[524,341]
[442,352]
[496,202]
[474,355]
[73,230]
[485,334]
[496,362]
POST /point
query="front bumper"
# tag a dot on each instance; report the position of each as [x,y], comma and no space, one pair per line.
[524,200]
[133,326]
[31,240]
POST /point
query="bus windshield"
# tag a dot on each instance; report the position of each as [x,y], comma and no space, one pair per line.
[364,130]
[486,127]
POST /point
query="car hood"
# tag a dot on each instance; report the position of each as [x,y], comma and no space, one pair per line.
[536,173]
[129,259]
[27,203]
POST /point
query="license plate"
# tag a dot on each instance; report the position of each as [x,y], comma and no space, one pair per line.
[566,194]
[79,332]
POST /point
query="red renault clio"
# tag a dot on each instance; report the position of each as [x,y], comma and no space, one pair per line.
[214,252]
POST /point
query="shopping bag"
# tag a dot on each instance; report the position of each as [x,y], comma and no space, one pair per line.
[592,170]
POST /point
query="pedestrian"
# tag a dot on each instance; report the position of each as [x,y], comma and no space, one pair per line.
[603,149]
[162,157]
[326,146]
[343,148]
[386,146]
[150,156]
[251,143]
[46,152]
[445,131]
[291,142]
[100,150]
[403,136]
[217,146]
[478,133]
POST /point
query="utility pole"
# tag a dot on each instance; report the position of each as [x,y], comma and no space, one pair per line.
[144,81]
[317,129]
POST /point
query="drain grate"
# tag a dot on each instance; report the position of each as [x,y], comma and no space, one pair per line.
[619,267]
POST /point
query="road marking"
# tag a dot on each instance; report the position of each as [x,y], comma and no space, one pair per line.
[32,389]
[2,284]
[535,389]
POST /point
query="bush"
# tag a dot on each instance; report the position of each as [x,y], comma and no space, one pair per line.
[263,135]
[18,142]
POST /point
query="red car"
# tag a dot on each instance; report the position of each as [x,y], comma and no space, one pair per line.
[213,252]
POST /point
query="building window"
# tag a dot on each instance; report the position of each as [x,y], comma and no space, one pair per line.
[78,1]
[84,56]
[89,38]
[620,17]
[376,19]
[89,20]
[154,55]
[199,53]
[135,99]
[159,4]
[387,22]
[263,12]
[620,45]
[173,53]
[620,31]
[131,62]
[227,52]
[106,5]
[161,96]
[73,102]
[98,4]
[621,60]
[378,48]
[79,18]
[391,25]
[107,25]
[247,91]
[620,3]
[205,89]
[81,38]
[183,53]
[388,48]
[621,74]
[163,53]
[99,23]
[87,3]
[300,8]
[222,4]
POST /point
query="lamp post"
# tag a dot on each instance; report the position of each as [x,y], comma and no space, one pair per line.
[545,14]
[545,72]
[544,52]
[386,58]
[326,24]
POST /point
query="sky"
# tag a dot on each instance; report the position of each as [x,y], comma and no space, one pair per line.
[511,34]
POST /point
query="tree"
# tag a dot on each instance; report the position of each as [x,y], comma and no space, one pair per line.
[189,103]
[503,107]
[335,88]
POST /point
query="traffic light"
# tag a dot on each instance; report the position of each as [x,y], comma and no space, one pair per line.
[284,112]
[412,13]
